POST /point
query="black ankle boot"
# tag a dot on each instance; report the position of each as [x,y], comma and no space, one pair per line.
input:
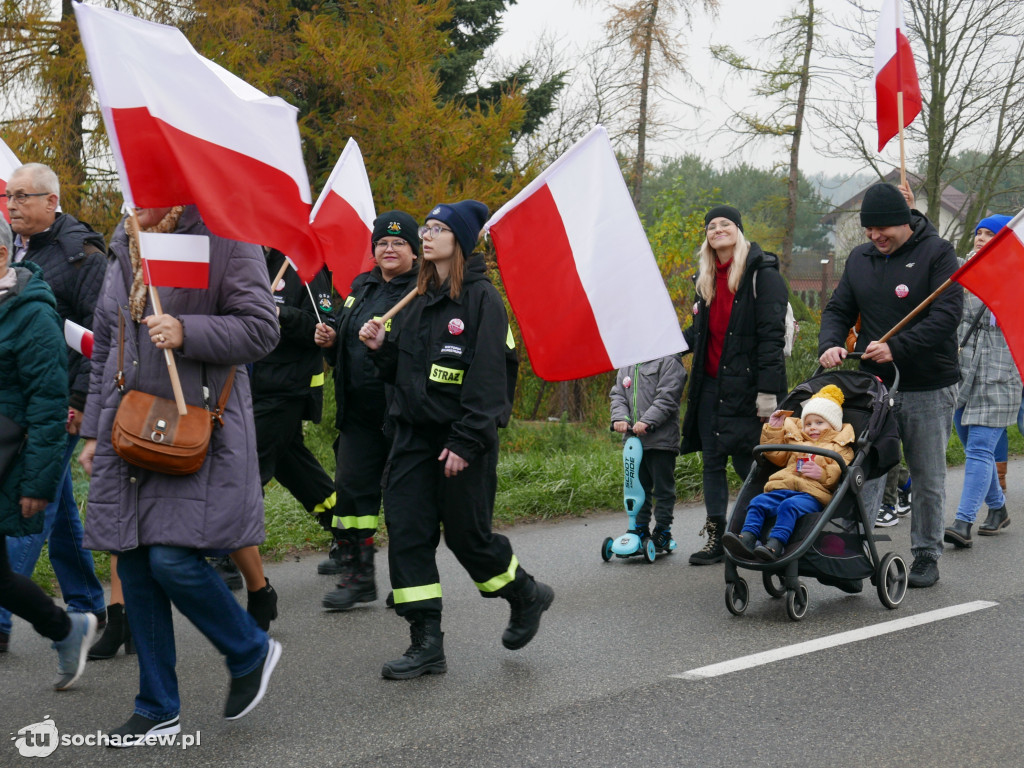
[959,534]
[997,520]
[528,601]
[712,551]
[340,559]
[116,634]
[425,656]
[361,584]
[262,605]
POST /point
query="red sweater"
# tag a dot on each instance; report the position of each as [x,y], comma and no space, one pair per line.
[718,318]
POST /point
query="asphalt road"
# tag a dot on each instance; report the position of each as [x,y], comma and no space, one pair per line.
[596,687]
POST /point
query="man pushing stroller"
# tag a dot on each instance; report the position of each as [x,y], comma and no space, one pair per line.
[805,483]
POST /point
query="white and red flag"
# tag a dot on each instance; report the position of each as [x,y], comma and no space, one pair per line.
[8,164]
[78,337]
[175,261]
[343,218]
[992,275]
[895,74]
[184,130]
[579,271]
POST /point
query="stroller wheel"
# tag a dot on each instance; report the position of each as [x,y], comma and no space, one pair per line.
[606,549]
[737,597]
[649,551]
[891,580]
[796,602]
[773,583]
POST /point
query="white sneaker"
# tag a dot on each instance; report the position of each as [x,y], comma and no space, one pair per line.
[886,517]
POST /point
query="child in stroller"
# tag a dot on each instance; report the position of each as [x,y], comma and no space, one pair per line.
[805,483]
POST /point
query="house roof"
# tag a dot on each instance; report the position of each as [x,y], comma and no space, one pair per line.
[953,200]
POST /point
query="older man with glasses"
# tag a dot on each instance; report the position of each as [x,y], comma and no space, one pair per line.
[73,260]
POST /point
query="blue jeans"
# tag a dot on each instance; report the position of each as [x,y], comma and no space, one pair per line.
[155,577]
[981,481]
[784,506]
[73,566]
[925,420]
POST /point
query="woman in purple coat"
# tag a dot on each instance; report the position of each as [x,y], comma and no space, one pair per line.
[162,527]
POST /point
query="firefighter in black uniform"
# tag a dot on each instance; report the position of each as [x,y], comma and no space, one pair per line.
[452,361]
[363,445]
[287,388]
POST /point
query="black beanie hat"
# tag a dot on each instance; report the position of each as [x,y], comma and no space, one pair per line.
[466,218]
[884,206]
[724,212]
[397,224]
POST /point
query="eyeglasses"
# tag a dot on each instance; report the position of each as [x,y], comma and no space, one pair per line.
[21,197]
[385,245]
[433,231]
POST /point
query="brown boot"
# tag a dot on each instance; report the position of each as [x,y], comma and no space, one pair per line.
[1001,469]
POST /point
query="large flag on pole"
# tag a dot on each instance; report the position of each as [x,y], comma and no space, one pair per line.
[895,73]
[579,271]
[185,130]
[343,218]
[8,164]
[993,275]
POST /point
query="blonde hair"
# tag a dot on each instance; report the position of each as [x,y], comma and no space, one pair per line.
[428,277]
[708,260]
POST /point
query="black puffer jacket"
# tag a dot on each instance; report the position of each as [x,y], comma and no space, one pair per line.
[752,358]
[883,290]
[295,369]
[453,363]
[73,258]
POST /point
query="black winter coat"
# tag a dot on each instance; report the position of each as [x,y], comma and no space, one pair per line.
[453,363]
[883,290]
[358,390]
[295,369]
[74,260]
[752,358]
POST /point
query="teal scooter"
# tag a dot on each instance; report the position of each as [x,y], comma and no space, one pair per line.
[629,544]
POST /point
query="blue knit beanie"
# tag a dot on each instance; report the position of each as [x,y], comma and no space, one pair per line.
[993,223]
[466,219]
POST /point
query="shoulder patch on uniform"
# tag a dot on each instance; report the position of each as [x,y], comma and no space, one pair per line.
[325,303]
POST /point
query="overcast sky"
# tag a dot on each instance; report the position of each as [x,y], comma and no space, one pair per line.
[739,23]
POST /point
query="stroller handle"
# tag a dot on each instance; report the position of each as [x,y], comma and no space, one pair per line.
[759,449]
[857,356]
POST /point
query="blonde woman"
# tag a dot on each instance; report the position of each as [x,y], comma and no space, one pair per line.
[739,371]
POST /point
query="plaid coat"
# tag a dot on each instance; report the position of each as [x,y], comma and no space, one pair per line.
[990,386]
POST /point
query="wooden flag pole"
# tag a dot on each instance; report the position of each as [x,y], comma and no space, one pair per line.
[917,310]
[899,122]
[172,368]
[396,309]
[280,274]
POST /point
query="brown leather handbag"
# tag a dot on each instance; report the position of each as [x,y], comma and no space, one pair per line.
[149,432]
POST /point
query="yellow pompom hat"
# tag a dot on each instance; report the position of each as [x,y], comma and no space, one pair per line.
[827,403]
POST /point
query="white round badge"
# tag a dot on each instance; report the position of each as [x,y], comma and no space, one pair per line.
[455,326]
[626,382]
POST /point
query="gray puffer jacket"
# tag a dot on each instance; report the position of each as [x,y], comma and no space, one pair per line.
[233,322]
[650,392]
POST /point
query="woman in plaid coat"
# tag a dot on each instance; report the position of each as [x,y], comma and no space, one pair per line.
[988,402]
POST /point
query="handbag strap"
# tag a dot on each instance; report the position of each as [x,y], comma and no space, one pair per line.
[119,376]
[225,393]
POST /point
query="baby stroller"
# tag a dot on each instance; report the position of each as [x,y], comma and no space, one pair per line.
[835,546]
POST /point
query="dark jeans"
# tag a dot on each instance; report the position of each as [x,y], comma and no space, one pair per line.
[657,476]
[24,598]
[716,481]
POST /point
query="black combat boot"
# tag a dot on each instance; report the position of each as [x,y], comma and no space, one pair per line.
[361,584]
[340,559]
[425,656]
[528,600]
[712,551]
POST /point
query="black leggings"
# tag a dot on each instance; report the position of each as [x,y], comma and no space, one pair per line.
[716,482]
[24,598]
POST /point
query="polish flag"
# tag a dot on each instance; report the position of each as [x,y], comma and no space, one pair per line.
[9,163]
[895,73]
[175,261]
[579,271]
[343,219]
[78,337]
[185,130]
[991,275]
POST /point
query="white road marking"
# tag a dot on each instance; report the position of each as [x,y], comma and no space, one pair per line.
[831,641]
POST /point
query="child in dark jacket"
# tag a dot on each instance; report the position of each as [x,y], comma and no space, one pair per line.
[645,403]
[805,483]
